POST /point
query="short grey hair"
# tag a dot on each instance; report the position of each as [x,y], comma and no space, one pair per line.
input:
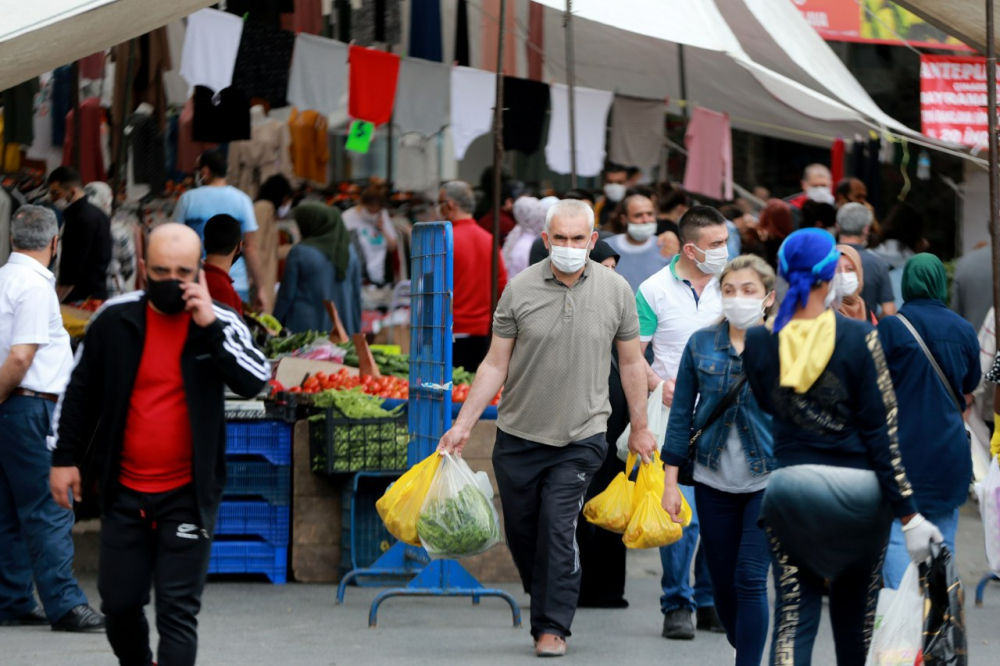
[460,193]
[818,169]
[33,228]
[852,218]
[569,208]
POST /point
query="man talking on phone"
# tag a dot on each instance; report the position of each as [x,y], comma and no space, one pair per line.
[147,394]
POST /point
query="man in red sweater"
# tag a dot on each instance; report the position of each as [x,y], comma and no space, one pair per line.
[472,315]
[223,245]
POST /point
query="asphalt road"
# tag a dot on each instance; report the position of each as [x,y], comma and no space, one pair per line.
[256,623]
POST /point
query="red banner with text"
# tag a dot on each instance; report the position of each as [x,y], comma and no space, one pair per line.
[953,99]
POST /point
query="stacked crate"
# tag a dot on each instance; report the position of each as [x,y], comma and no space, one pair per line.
[253,528]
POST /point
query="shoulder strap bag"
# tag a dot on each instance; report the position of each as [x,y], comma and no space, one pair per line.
[685,475]
[937,368]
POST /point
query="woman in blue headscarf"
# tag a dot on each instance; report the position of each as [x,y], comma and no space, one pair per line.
[840,481]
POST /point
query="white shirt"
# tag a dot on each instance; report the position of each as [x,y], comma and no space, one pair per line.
[374,244]
[30,315]
[669,313]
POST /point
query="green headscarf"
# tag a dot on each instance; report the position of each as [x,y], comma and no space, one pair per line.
[924,277]
[322,228]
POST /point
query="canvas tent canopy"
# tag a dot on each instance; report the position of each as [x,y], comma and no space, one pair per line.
[39,35]
[965,19]
[757,60]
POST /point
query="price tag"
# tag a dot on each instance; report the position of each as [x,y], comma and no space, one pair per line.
[359,139]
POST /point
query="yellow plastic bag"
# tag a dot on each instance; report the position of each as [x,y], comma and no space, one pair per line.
[612,509]
[399,507]
[651,526]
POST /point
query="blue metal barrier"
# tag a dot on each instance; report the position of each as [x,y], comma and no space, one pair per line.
[430,415]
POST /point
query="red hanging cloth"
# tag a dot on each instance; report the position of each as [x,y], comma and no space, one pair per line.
[373,76]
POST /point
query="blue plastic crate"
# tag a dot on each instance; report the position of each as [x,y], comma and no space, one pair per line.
[363,535]
[250,557]
[270,439]
[258,479]
[254,518]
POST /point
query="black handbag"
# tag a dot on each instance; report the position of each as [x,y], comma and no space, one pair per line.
[945,641]
[685,473]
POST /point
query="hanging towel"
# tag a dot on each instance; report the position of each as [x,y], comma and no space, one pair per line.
[307,18]
[837,162]
[318,80]
[220,117]
[373,77]
[416,163]
[535,45]
[210,47]
[637,131]
[262,63]
[525,105]
[489,37]
[175,87]
[709,143]
[423,85]
[473,96]
[592,108]
[425,29]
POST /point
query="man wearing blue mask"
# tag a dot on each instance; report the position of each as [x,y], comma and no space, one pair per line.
[674,303]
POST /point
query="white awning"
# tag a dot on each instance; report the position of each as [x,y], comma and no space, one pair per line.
[39,35]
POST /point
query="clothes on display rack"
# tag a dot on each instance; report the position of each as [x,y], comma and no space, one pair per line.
[141,80]
[592,108]
[42,148]
[146,158]
[262,63]
[62,78]
[174,84]
[266,154]
[220,117]
[425,30]
[5,214]
[424,91]
[91,166]
[525,107]
[473,96]
[310,150]
[535,45]
[837,161]
[637,131]
[461,56]
[377,21]
[709,143]
[19,113]
[210,47]
[267,248]
[373,78]
[318,78]
[307,17]
[489,39]
[267,12]
[92,67]
[188,149]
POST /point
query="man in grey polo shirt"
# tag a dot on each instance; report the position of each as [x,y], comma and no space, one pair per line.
[553,331]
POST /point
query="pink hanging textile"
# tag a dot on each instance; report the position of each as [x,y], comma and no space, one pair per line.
[709,143]
[491,18]
[536,41]
[307,18]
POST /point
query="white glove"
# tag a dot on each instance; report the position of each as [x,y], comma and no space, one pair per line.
[919,534]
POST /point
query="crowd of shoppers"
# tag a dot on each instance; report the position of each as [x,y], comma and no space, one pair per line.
[785,401]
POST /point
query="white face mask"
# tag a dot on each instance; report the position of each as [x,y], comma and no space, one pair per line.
[368,217]
[614,191]
[641,232]
[569,260]
[831,296]
[820,195]
[715,259]
[284,209]
[743,312]
[847,284]
[199,180]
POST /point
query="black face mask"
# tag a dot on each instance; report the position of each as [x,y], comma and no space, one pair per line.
[166,295]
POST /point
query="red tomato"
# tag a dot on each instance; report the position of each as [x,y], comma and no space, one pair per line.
[367,380]
[320,376]
[295,389]
[342,372]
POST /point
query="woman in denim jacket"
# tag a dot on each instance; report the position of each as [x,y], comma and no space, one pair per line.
[733,459]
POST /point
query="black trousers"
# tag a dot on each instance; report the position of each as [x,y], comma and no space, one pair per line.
[469,352]
[542,489]
[153,539]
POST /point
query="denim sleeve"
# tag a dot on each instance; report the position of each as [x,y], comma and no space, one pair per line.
[681,411]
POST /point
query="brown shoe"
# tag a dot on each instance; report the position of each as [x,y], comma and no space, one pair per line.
[550,645]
